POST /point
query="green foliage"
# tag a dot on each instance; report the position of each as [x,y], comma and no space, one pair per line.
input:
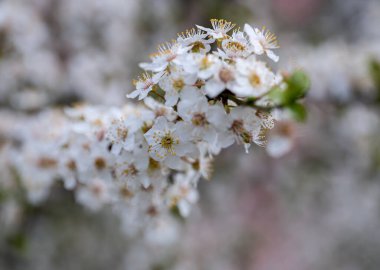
[277,95]
[296,87]
[298,111]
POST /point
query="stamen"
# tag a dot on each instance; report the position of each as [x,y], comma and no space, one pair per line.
[222,25]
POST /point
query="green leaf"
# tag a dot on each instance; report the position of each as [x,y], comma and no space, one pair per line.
[277,95]
[298,85]
[297,111]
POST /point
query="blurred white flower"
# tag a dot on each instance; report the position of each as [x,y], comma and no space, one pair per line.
[253,79]
[222,79]
[94,195]
[197,40]
[202,65]
[263,41]
[174,83]
[220,28]
[183,193]
[244,127]
[235,47]
[167,53]
[145,84]
[168,142]
[206,120]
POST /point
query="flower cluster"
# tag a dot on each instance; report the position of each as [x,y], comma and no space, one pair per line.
[204,76]
[201,94]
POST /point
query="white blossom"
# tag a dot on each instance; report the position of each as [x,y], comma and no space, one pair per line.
[168,142]
[244,126]
[145,84]
[167,53]
[263,41]
[206,120]
[220,28]
[146,160]
[202,65]
[183,193]
[236,46]
[196,39]
[253,79]
[174,83]
[222,79]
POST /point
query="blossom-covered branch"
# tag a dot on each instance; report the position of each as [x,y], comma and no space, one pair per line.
[201,93]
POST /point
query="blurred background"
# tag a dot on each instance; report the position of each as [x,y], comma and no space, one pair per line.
[312,204]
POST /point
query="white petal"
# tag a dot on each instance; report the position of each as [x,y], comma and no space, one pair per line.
[144,93]
[160,124]
[171,98]
[257,47]
[182,130]
[174,162]
[217,116]
[133,94]
[207,30]
[70,183]
[129,142]
[225,140]
[145,181]
[214,88]
[158,76]
[272,55]
[279,146]
[184,208]
[249,30]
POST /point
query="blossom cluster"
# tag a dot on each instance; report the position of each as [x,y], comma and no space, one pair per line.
[198,86]
[201,93]
[204,86]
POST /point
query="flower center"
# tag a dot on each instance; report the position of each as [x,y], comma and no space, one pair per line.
[100,163]
[97,189]
[125,192]
[122,133]
[46,163]
[235,46]
[130,170]
[205,63]
[71,165]
[197,46]
[167,142]
[199,119]
[226,75]
[254,79]
[238,128]
[178,84]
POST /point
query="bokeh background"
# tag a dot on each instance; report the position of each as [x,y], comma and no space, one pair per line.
[313,206]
